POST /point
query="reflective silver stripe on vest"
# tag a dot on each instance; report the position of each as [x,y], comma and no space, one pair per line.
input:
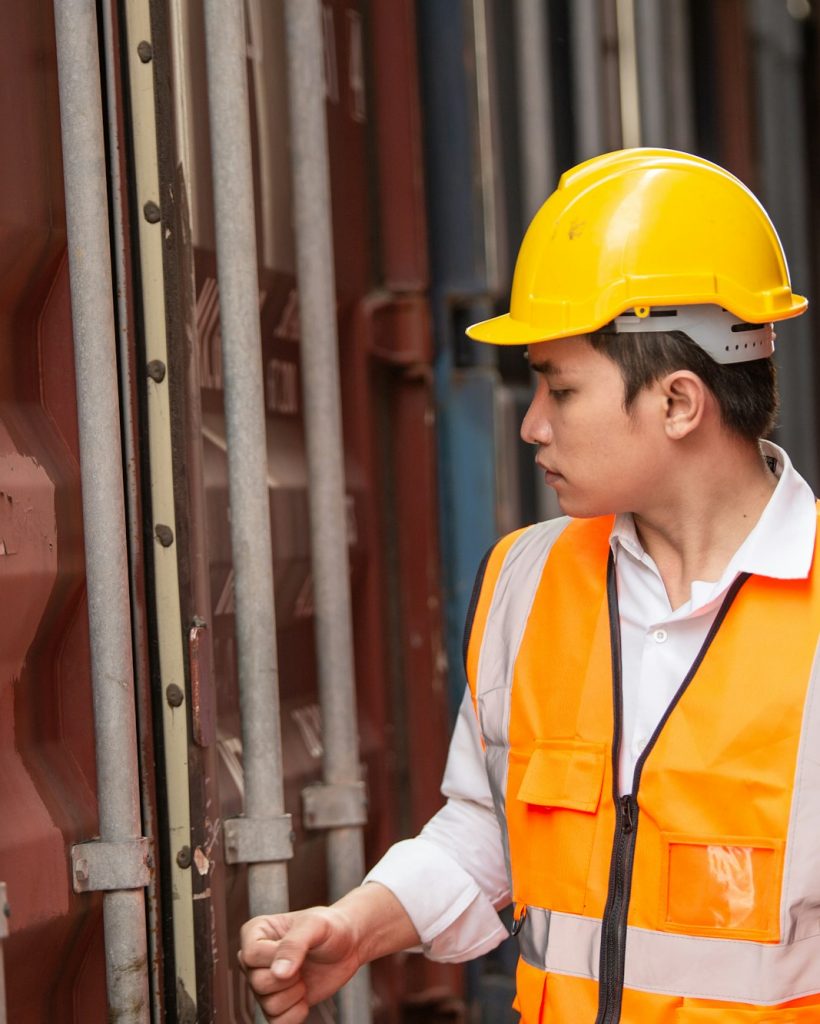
[705,968]
[533,938]
[506,620]
[800,901]
[742,972]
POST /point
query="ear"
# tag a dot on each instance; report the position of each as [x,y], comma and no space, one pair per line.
[687,401]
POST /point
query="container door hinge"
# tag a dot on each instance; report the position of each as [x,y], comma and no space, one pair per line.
[337,805]
[98,866]
[258,840]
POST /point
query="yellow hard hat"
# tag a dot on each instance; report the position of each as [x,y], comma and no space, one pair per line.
[637,229]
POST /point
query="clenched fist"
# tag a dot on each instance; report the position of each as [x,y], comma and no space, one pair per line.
[294,961]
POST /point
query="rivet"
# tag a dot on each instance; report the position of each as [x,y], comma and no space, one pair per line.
[151,212]
[156,370]
[184,857]
[174,695]
[145,51]
[164,534]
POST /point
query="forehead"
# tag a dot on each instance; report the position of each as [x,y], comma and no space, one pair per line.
[562,356]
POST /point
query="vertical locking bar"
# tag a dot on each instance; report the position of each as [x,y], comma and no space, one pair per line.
[98,414]
[310,166]
[245,426]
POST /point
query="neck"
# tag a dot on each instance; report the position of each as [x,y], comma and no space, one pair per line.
[703,516]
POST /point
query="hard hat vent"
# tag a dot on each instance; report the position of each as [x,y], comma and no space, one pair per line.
[717,331]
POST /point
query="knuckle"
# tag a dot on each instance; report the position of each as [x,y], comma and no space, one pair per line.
[262,981]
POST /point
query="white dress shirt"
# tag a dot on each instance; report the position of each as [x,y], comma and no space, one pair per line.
[451,879]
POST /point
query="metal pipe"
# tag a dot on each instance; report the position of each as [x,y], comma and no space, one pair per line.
[325,455]
[537,155]
[681,133]
[129,435]
[245,428]
[628,74]
[98,414]
[652,62]
[786,192]
[588,87]
[535,104]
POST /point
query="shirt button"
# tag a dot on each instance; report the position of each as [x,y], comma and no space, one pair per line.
[660,636]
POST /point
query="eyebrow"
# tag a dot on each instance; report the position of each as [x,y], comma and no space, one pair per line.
[547,368]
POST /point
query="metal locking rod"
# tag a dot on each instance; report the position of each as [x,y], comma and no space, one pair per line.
[109,613]
[247,459]
[310,172]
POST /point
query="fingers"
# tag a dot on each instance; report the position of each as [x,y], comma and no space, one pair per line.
[289,1005]
[281,943]
[295,1015]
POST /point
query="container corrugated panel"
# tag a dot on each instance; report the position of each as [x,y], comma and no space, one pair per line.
[54,959]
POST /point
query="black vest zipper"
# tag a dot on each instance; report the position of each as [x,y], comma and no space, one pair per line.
[627,809]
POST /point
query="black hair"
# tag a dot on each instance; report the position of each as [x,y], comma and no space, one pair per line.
[746,392]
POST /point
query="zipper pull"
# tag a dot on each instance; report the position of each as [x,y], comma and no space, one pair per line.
[519,914]
[628,815]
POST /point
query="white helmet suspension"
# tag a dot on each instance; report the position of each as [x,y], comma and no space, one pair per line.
[725,337]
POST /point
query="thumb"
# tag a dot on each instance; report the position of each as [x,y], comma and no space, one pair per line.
[295,946]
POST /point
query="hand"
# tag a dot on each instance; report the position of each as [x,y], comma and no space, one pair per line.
[294,961]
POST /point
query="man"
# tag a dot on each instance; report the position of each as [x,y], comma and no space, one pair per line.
[636,761]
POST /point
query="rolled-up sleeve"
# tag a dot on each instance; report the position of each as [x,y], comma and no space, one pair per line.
[452,878]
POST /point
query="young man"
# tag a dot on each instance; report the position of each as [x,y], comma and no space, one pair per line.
[635,764]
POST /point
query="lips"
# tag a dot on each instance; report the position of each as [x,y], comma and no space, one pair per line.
[550,475]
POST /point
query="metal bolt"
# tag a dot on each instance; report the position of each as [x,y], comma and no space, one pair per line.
[164,534]
[151,212]
[145,51]
[156,370]
[174,695]
[81,870]
[184,857]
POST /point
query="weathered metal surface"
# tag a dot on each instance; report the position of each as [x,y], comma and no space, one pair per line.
[255,621]
[103,500]
[395,116]
[334,805]
[152,236]
[258,840]
[203,718]
[99,866]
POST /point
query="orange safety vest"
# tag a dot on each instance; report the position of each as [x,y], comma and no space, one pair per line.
[696,898]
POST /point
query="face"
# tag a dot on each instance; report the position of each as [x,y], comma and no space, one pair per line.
[597,457]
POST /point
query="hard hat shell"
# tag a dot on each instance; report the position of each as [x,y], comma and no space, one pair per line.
[640,228]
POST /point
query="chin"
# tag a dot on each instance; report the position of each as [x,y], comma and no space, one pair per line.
[577,508]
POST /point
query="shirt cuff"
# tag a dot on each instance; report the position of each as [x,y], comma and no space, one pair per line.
[454,919]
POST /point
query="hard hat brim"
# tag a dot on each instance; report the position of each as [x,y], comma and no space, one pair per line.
[506,330]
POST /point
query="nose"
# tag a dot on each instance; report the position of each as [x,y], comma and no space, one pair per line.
[536,427]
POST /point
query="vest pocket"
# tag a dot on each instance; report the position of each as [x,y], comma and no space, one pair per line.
[564,773]
[552,821]
[722,887]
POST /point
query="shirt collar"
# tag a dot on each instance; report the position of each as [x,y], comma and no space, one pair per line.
[780,545]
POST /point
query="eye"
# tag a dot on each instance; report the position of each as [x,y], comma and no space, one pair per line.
[560,394]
